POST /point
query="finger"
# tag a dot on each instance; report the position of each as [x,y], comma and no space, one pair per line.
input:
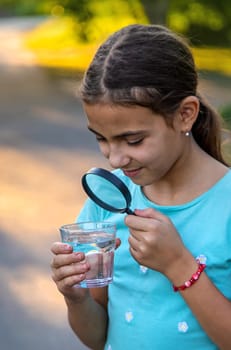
[134,242]
[140,224]
[61,248]
[66,259]
[150,213]
[70,270]
[150,220]
[133,252]
[117,243]
[69,282]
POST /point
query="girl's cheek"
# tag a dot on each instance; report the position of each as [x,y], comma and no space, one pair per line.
[104,149]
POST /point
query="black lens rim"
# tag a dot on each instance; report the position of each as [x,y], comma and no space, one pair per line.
[110,177]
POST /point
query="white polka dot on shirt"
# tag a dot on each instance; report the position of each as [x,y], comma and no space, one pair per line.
[129,316]
[201,258]
[143,269]
[183,327]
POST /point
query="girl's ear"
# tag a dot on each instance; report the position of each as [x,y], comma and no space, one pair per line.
[188,112]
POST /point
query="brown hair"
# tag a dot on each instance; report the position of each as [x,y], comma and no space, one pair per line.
[150,66]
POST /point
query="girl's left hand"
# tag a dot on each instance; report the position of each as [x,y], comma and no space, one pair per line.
[154,241]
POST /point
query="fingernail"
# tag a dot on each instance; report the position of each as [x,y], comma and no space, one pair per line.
[67,247]
[78,254]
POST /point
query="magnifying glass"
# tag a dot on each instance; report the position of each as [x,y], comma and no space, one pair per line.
[107,190]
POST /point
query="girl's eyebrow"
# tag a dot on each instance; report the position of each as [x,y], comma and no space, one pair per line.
[125,134]
[94,132]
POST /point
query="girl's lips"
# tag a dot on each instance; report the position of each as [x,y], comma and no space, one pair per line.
[131,173]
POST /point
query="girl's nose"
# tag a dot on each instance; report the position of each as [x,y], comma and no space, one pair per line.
[117,158]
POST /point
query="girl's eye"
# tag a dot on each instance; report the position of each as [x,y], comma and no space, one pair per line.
[100,139]
[135,142]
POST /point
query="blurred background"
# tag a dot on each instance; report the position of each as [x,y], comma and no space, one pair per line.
[45,147]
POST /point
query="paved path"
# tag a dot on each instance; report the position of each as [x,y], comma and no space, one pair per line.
[44,150]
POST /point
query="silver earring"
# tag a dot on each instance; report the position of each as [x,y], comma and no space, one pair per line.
[187,133]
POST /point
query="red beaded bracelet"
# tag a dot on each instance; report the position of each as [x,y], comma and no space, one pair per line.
[192,280]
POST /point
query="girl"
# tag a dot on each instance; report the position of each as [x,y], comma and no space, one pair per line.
[172,279]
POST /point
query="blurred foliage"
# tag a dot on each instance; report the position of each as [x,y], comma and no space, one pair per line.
[157,10]
[57,42]
[203,21]
[24,7]
[226,114]
[86,13]
[74,28]
[226,148]
[213,59]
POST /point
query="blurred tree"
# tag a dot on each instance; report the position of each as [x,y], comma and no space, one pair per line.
[5,7]
[82,10]
[156,10]
[203,21]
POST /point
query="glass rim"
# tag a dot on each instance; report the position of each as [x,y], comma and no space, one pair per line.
[90,225]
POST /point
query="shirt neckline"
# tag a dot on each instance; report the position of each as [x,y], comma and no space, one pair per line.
[191,203]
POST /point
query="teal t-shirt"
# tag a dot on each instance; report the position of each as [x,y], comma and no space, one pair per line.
[144,311]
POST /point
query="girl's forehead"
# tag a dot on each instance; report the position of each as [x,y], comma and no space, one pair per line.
[117,112]
[104,120]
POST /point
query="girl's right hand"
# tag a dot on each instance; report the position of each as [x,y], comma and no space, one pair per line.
[68,269]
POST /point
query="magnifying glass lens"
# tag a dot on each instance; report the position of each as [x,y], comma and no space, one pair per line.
[107,190]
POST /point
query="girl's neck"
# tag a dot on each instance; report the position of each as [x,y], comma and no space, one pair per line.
[190,178]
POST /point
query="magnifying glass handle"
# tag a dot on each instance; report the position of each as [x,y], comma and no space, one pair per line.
[130,212]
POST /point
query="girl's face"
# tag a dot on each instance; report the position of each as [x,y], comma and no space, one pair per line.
[137,141]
